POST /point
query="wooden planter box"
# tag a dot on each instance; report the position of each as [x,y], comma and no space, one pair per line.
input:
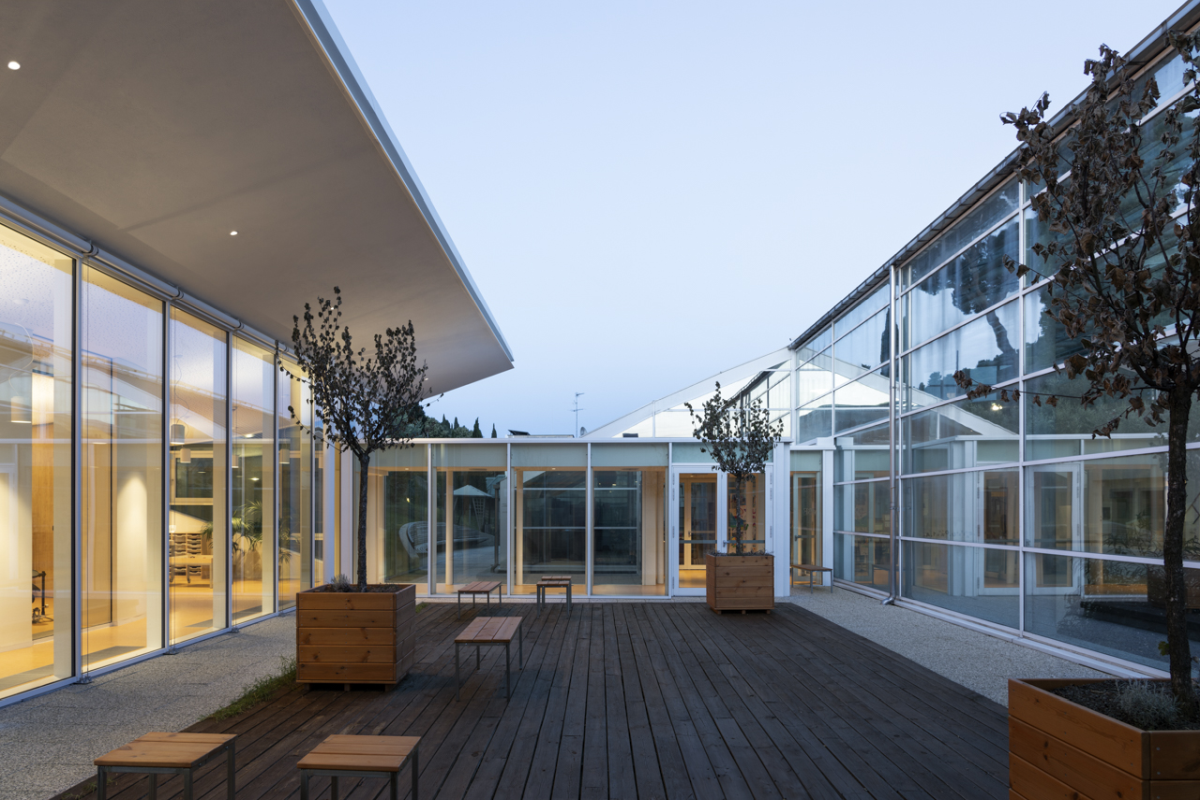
[740,583]
[355,637]
[1057,748]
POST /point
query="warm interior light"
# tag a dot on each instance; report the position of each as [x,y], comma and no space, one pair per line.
[22,413]
[13,65]
[237,462]
[185,455]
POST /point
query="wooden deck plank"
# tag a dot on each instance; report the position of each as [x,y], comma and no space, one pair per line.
[645,700]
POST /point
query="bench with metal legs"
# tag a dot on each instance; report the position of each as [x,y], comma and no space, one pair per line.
[813,569]
[350,756]
[167,754]
[491,631]
[552,583]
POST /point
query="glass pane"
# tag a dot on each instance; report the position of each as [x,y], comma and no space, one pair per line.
[877,300]
[815,378]
[780,393]
[747,506]
[629,455]
[1112,607]
[973,281]
[995,208]
[199,515]
[550,508]
[862,455]
[253,522]
[862,402]
[398,518]
[864,348]
[36,351]
[963,507]
[122,450]
[295,485]
[975,581]
[863,507]
[815,420]
[806,517]
[629,518]
[477,507]
[863,560]
[983,349]
[698,526]
[960,435]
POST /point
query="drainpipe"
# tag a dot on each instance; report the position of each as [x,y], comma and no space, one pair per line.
[893,544]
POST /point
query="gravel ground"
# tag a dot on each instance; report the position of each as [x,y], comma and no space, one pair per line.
[47,743]
[975,660]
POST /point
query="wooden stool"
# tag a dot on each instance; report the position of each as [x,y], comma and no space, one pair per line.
[484,631]
[167,753]
[345,756]
[552,583]
[812,569]
[481,587]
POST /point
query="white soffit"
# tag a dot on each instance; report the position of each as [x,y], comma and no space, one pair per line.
[155,128]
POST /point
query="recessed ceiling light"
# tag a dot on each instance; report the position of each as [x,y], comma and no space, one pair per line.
[233,233]
[13,65]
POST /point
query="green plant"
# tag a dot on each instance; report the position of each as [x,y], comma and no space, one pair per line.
[262,689]
[740,440]
[340,583]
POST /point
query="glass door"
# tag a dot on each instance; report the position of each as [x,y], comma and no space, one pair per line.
[697,525]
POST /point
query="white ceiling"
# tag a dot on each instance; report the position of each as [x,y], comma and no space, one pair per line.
[155,128]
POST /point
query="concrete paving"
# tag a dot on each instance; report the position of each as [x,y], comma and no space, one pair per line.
[47,743]
[972,658]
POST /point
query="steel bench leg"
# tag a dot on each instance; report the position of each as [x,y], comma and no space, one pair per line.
[457,678]
[508,670]
[394,785]
[187,785]
[153,795]
[230,769]
[333,787]
[521,643]
[477,649]
[459,607]
[101,783]
[304,784]
[415,760]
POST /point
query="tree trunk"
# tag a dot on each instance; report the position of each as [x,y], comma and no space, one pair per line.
[363,462]
[1177,639]
[737,515]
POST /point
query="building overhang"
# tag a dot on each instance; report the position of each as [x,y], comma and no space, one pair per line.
[151,130]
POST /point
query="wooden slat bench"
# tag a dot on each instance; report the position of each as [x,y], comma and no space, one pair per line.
[552,582]
[167,753]
[481,587]
[812,569]
[348,756]
[486,631]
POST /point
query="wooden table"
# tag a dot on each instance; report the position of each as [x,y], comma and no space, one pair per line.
[167,753]
[812,569]
[552,582]
[348,756]
[484,631]
[480,587]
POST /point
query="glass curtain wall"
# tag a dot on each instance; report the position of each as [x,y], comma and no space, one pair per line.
[397,518]
[550,495]
[294,452]
[36,353]
[122,440]
[198,522]
[862,508]
[629,519]
[252,514]
[472,515]
[807,513]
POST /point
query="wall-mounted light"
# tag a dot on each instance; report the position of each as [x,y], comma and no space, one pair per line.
[22,412]
[185,455]
[178,433]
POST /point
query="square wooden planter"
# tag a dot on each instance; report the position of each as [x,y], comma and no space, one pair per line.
[740,583]
[1057,748]
[355,637]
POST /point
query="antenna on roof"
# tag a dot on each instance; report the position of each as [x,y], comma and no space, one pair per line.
[577,410]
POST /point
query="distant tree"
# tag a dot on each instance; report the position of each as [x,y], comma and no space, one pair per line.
[1123,256]
[493,430]
[366,402]
[740,440]
[476,432]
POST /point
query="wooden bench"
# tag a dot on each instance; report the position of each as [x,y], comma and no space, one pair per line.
[349,756]
[167,753]
[485,631]
[552,582]
[813,569]
[480,587]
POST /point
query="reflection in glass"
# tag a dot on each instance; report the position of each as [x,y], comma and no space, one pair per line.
[862,402]
[477,508]
[698,525]
[982,349]
[815,420]
[878,299]
[321,572]
[815,378]
[252,524]
[402,520]
[1112,607]
[36,330]
[862,456]
[629,531]
[199,516]
[752,510]
[864,348]
[122,471]
[863,507]
[806,515]
[975,581]
[863,560]
[999,205]
[963,507]
[551,526]
[295,484]
[960,435]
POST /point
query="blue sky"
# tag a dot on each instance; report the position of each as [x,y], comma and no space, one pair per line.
[647,193]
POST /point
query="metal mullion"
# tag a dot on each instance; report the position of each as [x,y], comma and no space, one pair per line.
[1049,551]
[508,471]
[893,485]
[77,565]
[431,515]
[228,511]
[589,536]
[1021,428]
[1082,457]
[166,462]
[1007,465]
[277,488]
[956,399]
[863,480]
[1012,548]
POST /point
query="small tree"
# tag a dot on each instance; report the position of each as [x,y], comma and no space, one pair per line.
[740,440]
[365,402]
[1123,256]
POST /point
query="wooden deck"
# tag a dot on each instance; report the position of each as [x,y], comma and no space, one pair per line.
[625,700]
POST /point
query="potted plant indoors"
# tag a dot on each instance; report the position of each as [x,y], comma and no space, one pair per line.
[1120,260]
[357,632]
[739,438]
